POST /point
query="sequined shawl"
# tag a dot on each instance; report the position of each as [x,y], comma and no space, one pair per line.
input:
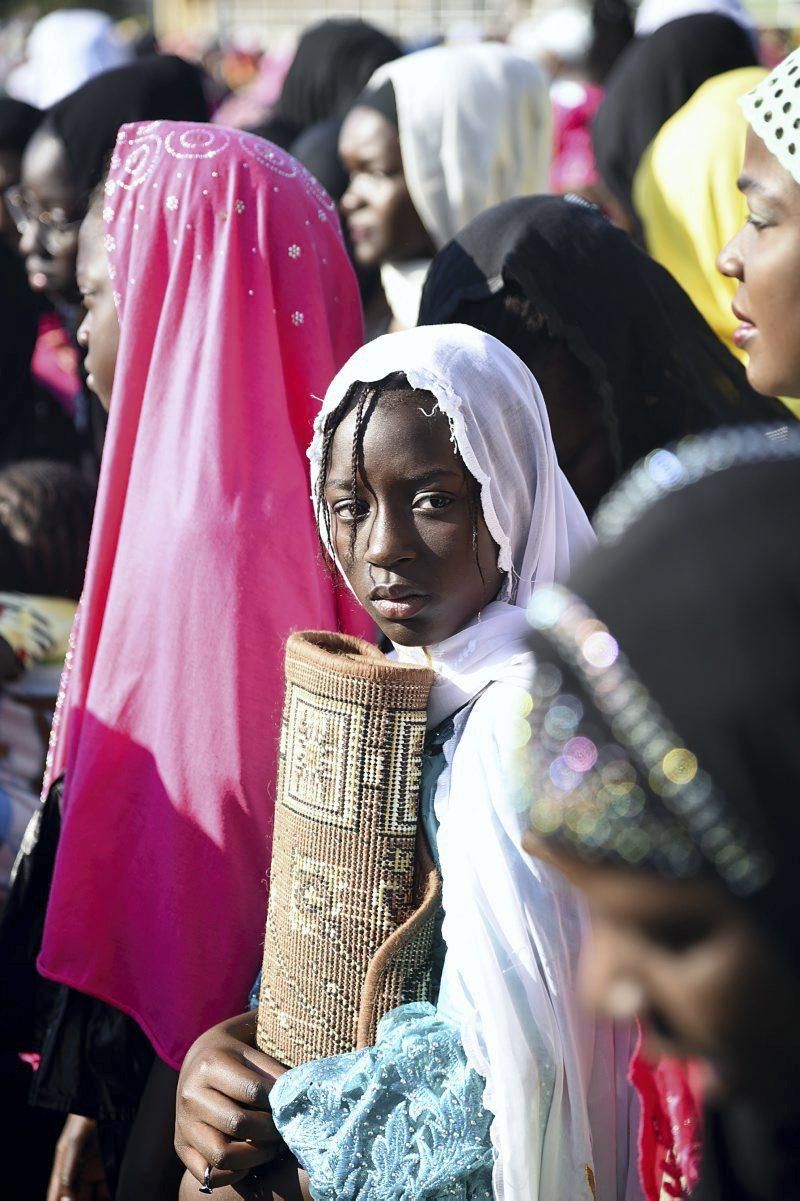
[677,647]
[237,303]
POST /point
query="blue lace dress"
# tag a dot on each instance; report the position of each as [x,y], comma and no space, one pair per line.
[403,1120]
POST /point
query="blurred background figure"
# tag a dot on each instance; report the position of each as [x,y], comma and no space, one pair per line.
[64,50]
[18,123]
[437,137]
[653,78]
[45,518]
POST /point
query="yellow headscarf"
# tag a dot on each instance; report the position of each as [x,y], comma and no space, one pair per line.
[686,196]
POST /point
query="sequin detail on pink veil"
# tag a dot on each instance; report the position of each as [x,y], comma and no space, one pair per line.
[203,558]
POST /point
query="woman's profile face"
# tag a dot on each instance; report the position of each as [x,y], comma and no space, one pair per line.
[764,257]
[99,330]
[686,959]
[49,245]
[382,223]
[416,549]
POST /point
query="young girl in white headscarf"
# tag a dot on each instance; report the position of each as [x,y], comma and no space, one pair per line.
[436,138]
[439,495]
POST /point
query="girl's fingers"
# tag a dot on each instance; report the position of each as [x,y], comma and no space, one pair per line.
[238,1123]
[197,1166]
[237,1080]
[220,1152]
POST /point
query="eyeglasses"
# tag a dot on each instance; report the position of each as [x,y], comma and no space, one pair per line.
[54,229]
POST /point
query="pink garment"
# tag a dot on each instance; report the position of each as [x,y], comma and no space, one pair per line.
[574,108]
[237,305]
[55,362]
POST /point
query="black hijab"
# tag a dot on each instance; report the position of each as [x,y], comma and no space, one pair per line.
[697,579]
[18,123]
[19,322]
[87,121]
[652,79]
[692,713]
[659,369]
[334,61]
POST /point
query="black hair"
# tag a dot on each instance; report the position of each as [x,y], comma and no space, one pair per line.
[363,397]
[46,511]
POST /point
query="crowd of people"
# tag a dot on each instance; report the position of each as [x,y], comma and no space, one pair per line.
[479,359]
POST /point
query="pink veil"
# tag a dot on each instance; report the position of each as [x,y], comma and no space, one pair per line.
[237,306]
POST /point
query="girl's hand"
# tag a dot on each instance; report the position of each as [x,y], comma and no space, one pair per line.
[223,1119]
[77,1173]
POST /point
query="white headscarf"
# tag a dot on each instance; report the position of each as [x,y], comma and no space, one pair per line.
[556,1079]
[65,49]
[474,127]
[652,14]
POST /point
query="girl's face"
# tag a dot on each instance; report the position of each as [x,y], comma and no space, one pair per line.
[382,222]
[764,257]
[99,330]
[686,960]
[416,551]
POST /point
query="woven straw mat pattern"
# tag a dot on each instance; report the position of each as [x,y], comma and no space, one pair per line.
[342,879]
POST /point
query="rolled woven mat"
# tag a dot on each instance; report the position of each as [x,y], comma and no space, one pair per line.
[353,890]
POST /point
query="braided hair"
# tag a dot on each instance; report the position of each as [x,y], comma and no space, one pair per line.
[46,511]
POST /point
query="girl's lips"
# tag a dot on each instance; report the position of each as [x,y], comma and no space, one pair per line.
[743,333]
[402,609]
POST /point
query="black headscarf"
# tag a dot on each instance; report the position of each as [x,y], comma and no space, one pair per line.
[317,149]
[33,424]
[669,740]
[333,63]
[652,79]
[18,123]
[697,579]
[19,320]
[659,369]
[87,121]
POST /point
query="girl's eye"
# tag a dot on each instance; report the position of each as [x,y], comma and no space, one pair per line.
[345,510]
[435,501]
[677,935]
[756,222]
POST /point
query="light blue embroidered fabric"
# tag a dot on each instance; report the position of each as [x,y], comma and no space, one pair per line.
[400,1121]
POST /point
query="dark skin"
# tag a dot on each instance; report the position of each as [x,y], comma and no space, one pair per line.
[10,167]
[382,222]
[686,959]
[98,333]
[46,185]
[423,563]
[415,523]
[764,256]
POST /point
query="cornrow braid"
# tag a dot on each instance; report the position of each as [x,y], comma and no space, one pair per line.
[364,396]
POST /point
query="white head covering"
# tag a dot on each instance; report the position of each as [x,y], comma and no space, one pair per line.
[65,49]
[556,1078]
[652,14]
[772,110]
[499,422]
[474,127]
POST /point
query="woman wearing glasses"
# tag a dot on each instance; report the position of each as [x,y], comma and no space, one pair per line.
[66,157]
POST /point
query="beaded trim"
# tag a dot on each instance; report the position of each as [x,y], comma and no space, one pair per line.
[598,795]
[668,470]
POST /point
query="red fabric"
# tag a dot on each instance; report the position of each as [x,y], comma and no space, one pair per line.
[237,305]
[669,1137]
